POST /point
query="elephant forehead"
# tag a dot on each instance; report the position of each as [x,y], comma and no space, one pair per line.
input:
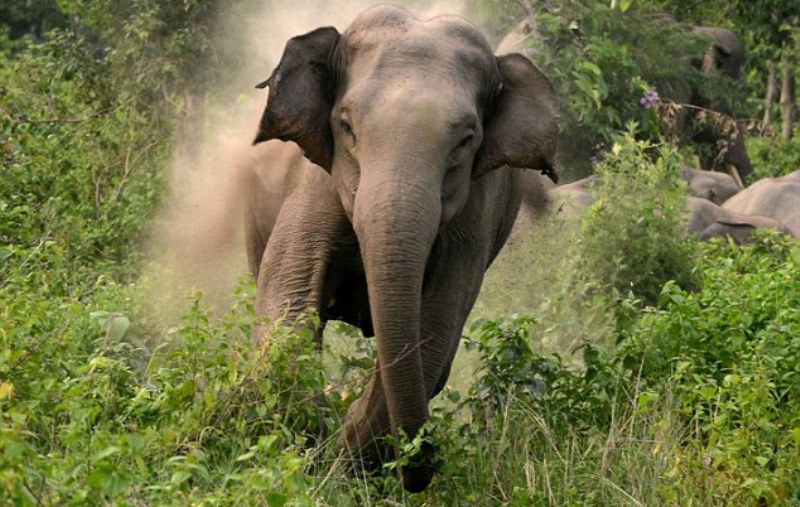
[396,37]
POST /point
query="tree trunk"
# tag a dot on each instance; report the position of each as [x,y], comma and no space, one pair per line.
[772,94]
[788,102]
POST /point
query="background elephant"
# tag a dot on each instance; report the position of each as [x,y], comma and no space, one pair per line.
[409,127]
[713,186]
[776,198]
[708,220]
[717,148]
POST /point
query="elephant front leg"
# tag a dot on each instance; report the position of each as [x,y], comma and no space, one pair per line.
[297,264]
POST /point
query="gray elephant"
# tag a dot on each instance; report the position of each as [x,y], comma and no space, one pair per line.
[403,199]
[708,220]
[713,186]
[717,148]
[776,198]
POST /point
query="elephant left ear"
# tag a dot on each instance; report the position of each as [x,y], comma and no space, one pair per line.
[523,128]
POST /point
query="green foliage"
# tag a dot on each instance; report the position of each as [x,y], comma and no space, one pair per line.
[30,18]
[634,238]
[707,379]
[152,50]
[772,156]
[510,372]
[729,356]
[602,61]
[92,414]
[80,177]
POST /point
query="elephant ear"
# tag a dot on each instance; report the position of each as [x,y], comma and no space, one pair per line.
[301,95]
[522,130]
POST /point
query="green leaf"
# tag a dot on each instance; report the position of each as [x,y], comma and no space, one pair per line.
[114,324]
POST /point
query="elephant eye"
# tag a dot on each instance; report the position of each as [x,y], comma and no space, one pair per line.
[465,142]
[461,150]
[347,132]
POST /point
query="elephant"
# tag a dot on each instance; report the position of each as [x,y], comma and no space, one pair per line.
[708,220]
[719,148]
[791,177]
[397,154]
[713,186]
[776,198]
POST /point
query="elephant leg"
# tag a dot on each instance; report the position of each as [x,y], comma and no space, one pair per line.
[256,236]
[308,233]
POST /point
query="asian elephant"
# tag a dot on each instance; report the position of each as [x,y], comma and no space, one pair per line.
[717,148]
[708,220]
[392,195]
[776,198]
[713,186]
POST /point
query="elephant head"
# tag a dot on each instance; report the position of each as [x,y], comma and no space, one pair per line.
[406,115]
[725,53]
[723,57]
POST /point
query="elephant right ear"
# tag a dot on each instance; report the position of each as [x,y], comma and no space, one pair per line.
[301,95]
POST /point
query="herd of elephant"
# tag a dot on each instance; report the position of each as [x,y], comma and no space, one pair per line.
[716,205]
[390,164]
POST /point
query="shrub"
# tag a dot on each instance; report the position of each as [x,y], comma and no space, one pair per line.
[78,174]
[93,412]
[631,242]
[606,63]
[634,238]
[772,156]
[728,355]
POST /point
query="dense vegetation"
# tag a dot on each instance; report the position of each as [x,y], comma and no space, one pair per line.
[640,367]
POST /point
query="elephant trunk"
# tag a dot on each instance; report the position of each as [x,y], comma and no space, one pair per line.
[396,220]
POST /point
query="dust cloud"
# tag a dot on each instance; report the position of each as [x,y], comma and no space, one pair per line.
[197,241]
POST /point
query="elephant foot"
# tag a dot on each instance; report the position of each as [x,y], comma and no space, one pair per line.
[417,475]
[369,458]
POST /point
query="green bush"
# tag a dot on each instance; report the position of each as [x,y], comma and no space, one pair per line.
[771,156]
[91,412]
[634,238]
[79,177]
[631,242]
[729,357]
[602,60]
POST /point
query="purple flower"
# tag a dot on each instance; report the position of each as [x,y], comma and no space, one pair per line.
[649,99]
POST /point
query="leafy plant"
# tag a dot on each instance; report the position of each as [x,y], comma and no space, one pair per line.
[729,355]
[772,157]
